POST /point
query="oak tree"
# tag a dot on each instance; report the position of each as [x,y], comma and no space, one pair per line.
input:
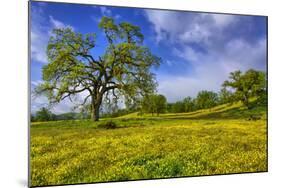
[154,103]
[206,99]
[123,70]
[189,104]
[44,114]
[252,83]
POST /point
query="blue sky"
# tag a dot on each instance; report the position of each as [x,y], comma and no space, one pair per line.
[198,50]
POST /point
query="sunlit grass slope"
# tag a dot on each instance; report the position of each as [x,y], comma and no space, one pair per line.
[220,140]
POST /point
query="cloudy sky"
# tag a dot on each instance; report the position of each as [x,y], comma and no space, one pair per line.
[198,50]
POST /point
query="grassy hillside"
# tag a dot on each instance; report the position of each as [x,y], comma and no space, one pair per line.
[229,111]
[224,139]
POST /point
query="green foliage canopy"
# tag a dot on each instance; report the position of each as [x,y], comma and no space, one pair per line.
[154,103]
[43,115]
[250,84]
[206,99]
[73,68]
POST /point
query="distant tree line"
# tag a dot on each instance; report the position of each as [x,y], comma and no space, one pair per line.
[156,104]
[117,113]
[44,114]
[239,87]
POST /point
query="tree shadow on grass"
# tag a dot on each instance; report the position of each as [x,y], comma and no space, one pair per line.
[254,113]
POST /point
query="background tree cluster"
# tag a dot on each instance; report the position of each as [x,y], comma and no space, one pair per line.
[44,114]
[240,87]
[246,86]
[204,99]
[154,104]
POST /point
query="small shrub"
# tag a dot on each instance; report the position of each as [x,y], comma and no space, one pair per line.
[141,124]
[107,125]
[254,117]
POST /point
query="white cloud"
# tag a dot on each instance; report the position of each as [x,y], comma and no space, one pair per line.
[42,101]
[38,47]
[41,28]
[207,76]
[187,27]
[188,54]
[223,20]
[37,36]
[55,23]
[177,87]
[210,70]
[95,18]
[64,106]
[105,11]
[169,62]
[201,41]
[117,16]
[243,55]
[35,83]
[197,34]
[58,24]
[163,23]
[37,103]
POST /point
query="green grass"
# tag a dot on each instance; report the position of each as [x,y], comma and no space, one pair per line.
[213,141]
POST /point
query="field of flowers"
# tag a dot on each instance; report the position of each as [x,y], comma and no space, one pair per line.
[221,140]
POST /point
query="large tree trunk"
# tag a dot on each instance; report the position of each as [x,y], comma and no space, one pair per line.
[96,102]
[95,113]
[246,101]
